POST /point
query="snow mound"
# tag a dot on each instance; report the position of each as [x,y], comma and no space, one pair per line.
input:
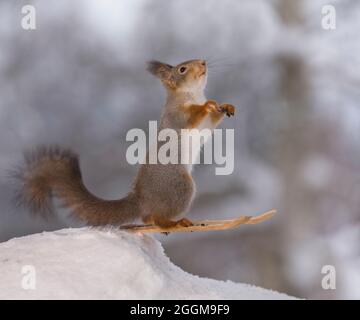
[104,264]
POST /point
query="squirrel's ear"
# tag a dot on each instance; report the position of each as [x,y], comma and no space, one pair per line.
[159,69]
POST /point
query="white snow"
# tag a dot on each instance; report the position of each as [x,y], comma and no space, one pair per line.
[90,263]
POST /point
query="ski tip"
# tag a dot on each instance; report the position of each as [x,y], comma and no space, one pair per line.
[262,217]
[271,212]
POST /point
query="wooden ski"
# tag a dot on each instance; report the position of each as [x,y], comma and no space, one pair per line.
[202,225]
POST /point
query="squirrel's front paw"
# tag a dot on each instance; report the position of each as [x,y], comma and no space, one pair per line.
[211,105]
[229,109]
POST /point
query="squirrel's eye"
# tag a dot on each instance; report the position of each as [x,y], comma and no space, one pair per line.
[182,70]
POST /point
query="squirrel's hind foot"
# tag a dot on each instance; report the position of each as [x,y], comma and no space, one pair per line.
[165,223]
[184,222]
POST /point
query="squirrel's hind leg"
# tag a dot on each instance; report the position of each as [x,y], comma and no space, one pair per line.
[184,222]
[163,222]
[148,219]
[166,223]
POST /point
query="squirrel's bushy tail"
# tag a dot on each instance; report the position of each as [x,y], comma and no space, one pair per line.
[54,172]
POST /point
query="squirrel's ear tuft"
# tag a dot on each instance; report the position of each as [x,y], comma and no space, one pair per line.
[159,69]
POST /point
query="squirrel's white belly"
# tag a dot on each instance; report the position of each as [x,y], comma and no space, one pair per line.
[192,141]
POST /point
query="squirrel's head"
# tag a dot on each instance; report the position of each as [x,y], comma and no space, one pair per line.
[188,76]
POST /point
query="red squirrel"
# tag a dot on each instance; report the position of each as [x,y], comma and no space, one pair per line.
[161,193]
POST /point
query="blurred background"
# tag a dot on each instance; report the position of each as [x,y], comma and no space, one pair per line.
[79,80]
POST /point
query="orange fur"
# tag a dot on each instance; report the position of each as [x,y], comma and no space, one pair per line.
[196,113]
[166,223]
